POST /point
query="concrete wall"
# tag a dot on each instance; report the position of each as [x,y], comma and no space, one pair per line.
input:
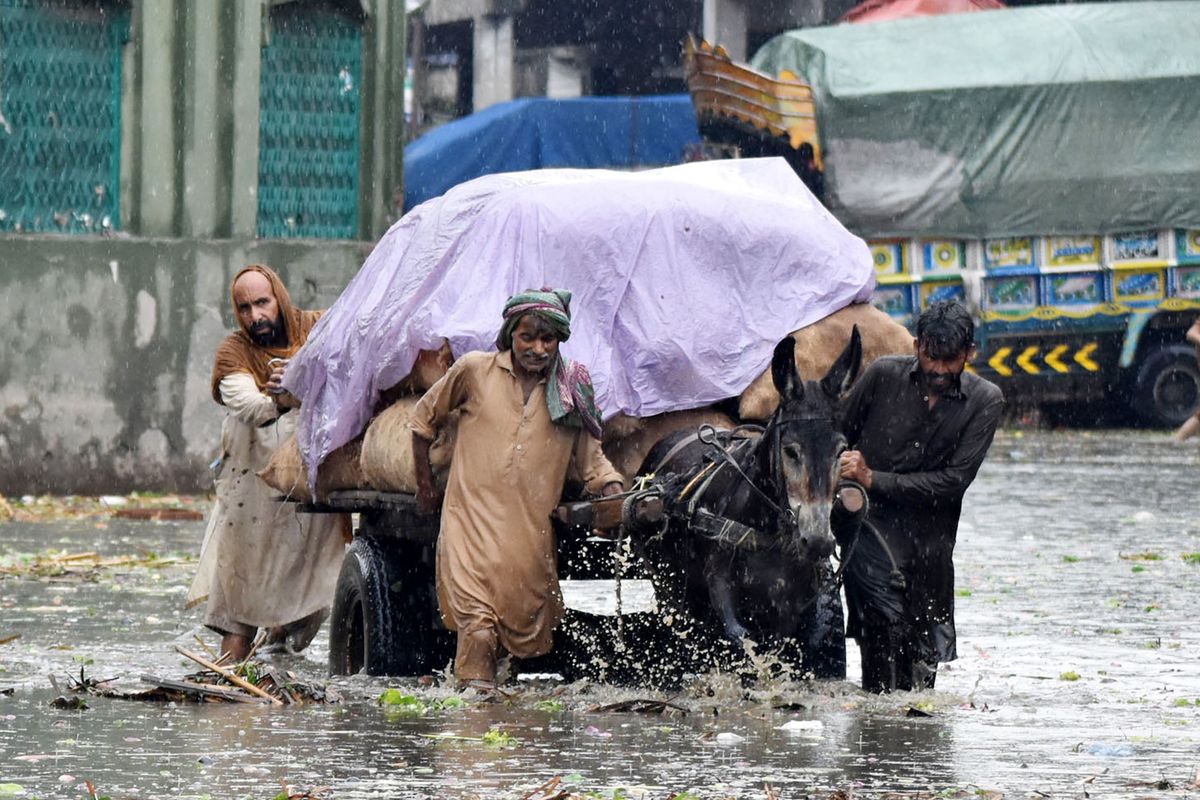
[106,344]
[106,351]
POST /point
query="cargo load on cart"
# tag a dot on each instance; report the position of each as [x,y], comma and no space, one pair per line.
[685,280]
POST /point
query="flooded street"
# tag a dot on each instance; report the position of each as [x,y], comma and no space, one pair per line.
[1077,561]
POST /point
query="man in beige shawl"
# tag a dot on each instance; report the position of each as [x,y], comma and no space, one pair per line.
[262,565]
[528,420]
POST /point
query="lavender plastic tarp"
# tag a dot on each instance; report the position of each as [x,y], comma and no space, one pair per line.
[684,279]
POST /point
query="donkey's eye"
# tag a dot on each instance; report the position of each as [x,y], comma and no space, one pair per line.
[792,451]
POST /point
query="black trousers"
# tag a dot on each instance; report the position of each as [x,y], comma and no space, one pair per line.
[881,619]
[890,663]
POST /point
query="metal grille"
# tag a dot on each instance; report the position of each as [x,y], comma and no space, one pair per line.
[309,131]
[60,115]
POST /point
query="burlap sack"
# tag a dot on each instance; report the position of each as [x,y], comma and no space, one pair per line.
[286,473]
[628,452]
[621,427]
[387,455]
[429,368]
[818,345]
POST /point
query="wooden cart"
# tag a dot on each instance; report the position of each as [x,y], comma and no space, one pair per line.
[385,620]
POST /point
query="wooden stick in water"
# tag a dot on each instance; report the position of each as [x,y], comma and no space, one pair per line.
[78,556]
[229,676]
[207,649]
[258,640]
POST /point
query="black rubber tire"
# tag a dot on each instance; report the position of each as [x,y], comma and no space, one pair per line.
[1167,390]
[383,619]
[362,625]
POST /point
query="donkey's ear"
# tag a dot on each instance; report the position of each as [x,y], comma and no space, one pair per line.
[784,372]
[844,371]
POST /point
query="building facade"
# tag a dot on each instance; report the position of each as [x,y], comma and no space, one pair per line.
[470,54]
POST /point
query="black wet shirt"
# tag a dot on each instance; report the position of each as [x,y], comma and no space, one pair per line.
[922,461]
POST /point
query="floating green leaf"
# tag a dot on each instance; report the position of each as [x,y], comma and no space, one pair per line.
[1191,558]
[1069,675]
[552,706]
[498,738]
[963,592]
[1137,568]
[11,790]
[1070,559]
[397,701]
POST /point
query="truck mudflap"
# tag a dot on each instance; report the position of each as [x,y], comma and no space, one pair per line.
[1050,368]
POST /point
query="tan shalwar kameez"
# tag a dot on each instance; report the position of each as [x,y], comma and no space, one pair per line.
[497,571]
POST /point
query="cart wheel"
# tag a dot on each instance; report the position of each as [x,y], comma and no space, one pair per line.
[362,628]
[384,611]
[1168,386]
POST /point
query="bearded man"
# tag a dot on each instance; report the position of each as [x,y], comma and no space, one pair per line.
[918,428]
[262,565]
[528,421]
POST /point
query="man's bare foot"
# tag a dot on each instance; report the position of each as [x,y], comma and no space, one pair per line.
[236,646]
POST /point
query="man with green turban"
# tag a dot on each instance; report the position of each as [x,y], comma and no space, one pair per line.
[527,422]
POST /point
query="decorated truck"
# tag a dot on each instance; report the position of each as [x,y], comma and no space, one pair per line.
[1042,164]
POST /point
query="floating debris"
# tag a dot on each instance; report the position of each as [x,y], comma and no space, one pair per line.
[170,514]
[398,702]
[637,706]
[245,682]
[134,506]
[292,793]
[495,737]
[65,703]
[87,566]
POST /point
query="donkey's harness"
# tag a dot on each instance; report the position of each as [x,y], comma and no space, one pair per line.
[712,526]
[733,534]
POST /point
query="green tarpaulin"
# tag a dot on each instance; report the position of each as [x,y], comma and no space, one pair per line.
[1080,118]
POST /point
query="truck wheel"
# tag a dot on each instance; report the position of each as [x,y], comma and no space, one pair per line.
[364,633]
[1167,391]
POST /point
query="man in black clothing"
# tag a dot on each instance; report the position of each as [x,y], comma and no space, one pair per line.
[918,428]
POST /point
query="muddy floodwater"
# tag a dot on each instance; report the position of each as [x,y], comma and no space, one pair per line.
[1079,675]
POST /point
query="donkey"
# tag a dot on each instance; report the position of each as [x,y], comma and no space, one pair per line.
[753,517]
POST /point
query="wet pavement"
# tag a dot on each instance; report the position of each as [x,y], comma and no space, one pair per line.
[1078,638]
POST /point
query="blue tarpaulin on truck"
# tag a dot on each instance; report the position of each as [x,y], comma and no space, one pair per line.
[531,133]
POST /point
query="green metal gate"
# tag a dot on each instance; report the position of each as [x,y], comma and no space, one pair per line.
[60,115]
[309,124]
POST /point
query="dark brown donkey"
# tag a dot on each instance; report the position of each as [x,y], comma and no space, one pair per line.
[752,520]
